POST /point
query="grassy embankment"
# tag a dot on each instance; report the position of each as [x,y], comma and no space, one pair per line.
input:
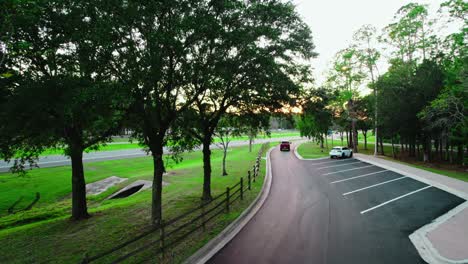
[312,150]
[45,233]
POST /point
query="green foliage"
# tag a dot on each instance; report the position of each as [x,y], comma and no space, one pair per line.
[316,117]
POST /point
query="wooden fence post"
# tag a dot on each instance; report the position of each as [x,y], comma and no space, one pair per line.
[242,188]
[254,172]
[249,179]
[227,199]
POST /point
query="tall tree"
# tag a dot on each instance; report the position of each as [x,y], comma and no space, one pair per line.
[316,116]
[253,66]
[62,94]
[368,55]
[346,76]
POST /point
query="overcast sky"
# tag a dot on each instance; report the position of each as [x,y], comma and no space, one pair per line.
[334,21]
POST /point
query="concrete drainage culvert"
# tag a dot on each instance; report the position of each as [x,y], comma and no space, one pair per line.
[133,188]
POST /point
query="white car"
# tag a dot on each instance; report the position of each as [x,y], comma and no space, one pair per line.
[341,152]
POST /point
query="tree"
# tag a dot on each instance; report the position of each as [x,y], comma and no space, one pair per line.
[347,76]
[364,107]
[368,56]
[316,117]
[61,93]
[228,127]
[411,34]
[234,125]
[253,67]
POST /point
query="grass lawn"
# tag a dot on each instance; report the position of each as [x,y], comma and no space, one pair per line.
[45,234]
[123,143]
[311,150]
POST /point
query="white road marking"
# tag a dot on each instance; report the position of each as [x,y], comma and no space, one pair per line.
[395,199]
[364,175]
[338,165]
[349,169]
[328,162]
[372,186]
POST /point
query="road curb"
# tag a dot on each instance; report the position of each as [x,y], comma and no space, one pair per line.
[299,155]
[419,238]
[217,243]
[424,246]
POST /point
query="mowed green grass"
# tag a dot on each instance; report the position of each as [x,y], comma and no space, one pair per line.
[312,150]
[123,143]
[59,240]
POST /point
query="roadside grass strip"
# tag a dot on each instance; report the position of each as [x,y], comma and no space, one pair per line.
[395,199]
[360,176]
[349,169]
[338,165]
[375,185]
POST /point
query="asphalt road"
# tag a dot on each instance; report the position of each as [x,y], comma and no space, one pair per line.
[60,160]
[336,211]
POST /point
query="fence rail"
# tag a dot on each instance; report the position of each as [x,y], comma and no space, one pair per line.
[170,234]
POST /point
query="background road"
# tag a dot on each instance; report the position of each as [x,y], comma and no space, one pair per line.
[60,160]
[308,218]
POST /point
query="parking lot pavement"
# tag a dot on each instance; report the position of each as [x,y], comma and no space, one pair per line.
[391,205]
[337,211]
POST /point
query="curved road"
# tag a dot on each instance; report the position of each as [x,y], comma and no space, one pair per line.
[307,219]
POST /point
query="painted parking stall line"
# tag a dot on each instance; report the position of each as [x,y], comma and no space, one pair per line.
[368,166]
[339,165]
[330,162]
[395,199]
[374,185]
[360,176]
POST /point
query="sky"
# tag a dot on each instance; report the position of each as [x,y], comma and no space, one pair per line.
[333,23]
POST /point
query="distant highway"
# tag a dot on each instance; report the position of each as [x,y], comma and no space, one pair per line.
[60,160]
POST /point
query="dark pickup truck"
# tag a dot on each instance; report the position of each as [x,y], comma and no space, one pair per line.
[285,146]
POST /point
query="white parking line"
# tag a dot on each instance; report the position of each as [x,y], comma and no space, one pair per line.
[338,165]
[395,199]
[331,161]
[360,176]
[372,186]
[349,169]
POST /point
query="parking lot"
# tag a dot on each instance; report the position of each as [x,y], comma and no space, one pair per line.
[337,211]
[373,190]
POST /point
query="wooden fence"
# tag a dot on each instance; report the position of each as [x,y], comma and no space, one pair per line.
[174,231]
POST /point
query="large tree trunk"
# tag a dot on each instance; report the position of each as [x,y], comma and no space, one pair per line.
[79,207]
[158,171]
[381,146]
[364,133]
[250,141]
[393,149]
[355,136]
[206,169]
[341,136]
[427,149]
[347,138]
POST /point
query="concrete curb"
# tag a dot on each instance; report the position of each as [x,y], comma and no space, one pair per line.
[424,246]
[217,243]
[299,155]
[419,238]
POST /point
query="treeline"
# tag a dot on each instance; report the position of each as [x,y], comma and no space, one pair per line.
[421,100]
[74,73]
